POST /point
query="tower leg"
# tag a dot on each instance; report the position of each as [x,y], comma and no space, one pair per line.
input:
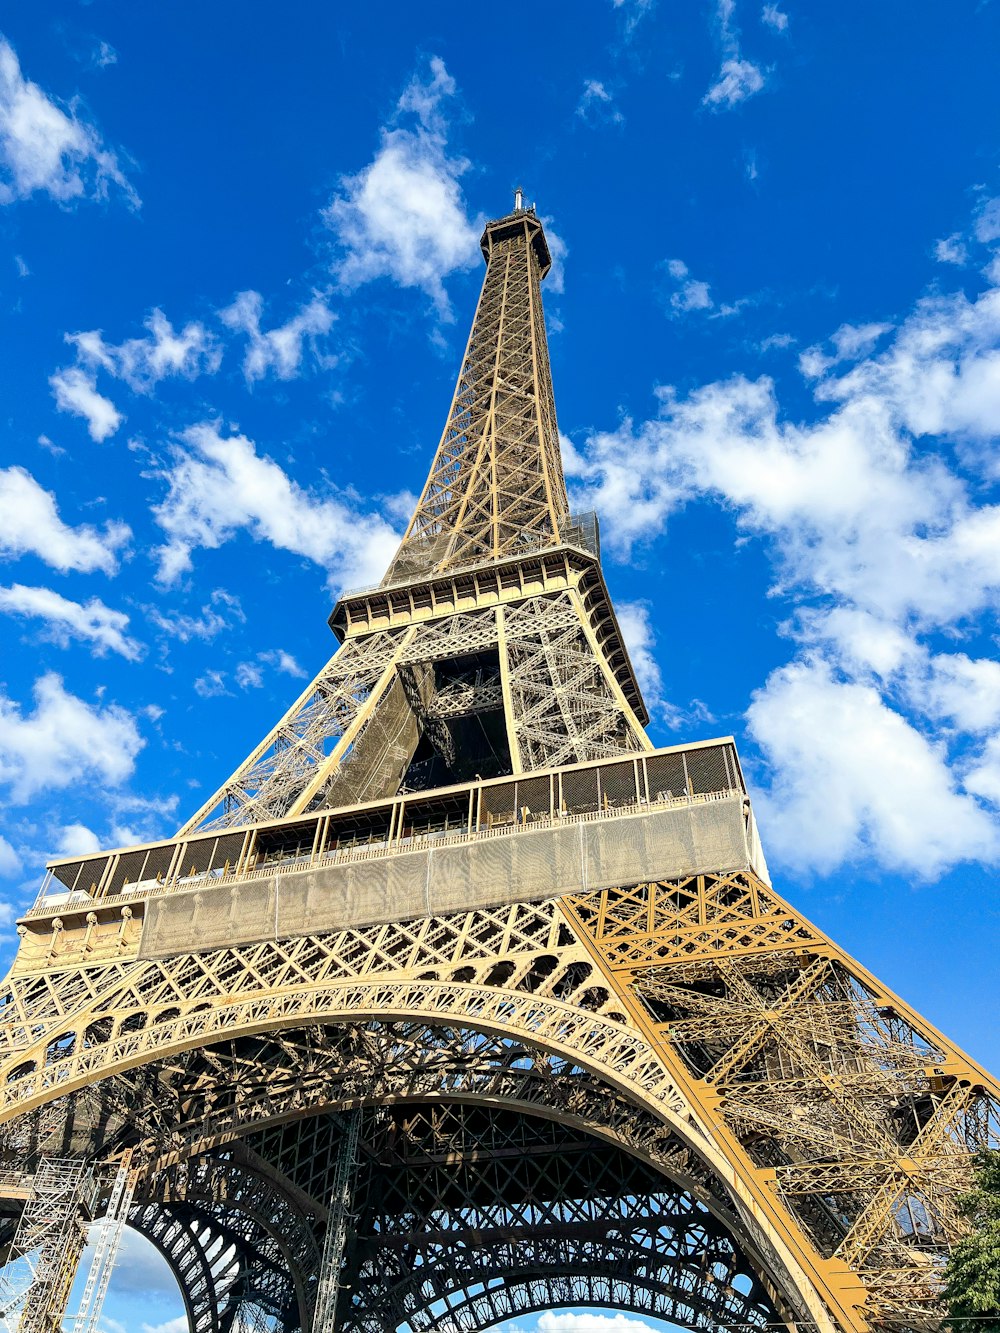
[341,1200]
[47,1247]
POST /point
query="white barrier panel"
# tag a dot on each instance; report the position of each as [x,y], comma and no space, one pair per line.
[520,865]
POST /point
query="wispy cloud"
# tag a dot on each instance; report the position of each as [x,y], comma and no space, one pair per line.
[250,675]
[404,217]
[597,105]
[30,525]
[689,295]
[221,610]
[738,78]
[219,485]
[143,362]
[279,350]
[64,741]
[89,622]
[49,148]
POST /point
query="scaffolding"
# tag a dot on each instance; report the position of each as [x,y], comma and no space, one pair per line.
[341,1200]
[109,1234]
[48,1243]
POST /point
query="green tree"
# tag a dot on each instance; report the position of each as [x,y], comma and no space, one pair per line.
[972,1276]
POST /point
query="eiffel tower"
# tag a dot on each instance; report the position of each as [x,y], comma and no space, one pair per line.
[459,999]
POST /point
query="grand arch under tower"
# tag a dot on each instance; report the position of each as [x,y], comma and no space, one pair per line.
[459,999]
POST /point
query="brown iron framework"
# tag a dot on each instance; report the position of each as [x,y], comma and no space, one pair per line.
[459,1000]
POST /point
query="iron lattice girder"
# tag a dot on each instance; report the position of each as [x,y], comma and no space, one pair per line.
[496,482]
[448,1189]
[538,1224]
[216,1265]
[826,1081]
[208,1093]
[566,686]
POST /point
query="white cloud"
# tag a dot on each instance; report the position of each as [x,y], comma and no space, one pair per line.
[10,862]
[983,777]
[738,78]
[597,104]
[944,687]
[987,221]
[965,690]
[30,525]
[854,780]
[211,684]
[219,485]
[76,840]
[774,18]
[403,216]
[567,1321]
[951,250]
[248,676]
[91,621]
[855,513]
[65,741]
[46,148]
[143,362]
[282,661]
[210,622]
[178,1325]
[279,349]
[941,374]
[691,294]
[75,391]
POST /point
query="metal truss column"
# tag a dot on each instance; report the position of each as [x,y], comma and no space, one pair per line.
[47,1246]
[109,1235]
[341,1202]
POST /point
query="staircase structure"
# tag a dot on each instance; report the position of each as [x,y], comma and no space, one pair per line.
[459,999]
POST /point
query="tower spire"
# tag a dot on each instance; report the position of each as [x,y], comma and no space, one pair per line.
[496,484]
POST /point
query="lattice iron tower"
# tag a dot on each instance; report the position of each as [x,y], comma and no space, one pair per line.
[459,999]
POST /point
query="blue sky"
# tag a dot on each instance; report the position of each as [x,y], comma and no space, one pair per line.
[238,260]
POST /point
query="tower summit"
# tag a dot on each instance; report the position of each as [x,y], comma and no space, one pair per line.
[458,999]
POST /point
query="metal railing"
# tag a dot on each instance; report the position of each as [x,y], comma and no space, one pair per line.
[579,530]
[376,851]
[448,816]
